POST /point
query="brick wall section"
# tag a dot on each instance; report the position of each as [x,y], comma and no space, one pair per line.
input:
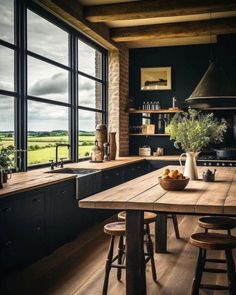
[118,93]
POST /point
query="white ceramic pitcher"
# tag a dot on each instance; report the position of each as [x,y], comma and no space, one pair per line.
[190,167]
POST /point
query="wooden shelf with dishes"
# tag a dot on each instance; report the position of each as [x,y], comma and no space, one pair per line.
[160,111]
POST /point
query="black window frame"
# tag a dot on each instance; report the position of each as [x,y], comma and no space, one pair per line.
[20,93]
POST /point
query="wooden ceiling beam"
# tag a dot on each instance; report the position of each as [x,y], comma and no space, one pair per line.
[158,8]
[175,30]
[72,12]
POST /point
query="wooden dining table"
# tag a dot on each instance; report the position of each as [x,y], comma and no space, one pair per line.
[145,194]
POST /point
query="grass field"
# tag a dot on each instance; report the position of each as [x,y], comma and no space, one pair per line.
[42,149]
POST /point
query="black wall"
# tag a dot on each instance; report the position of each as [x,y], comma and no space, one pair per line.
[188,64]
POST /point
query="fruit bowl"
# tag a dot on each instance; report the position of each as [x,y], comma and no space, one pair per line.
[170,184]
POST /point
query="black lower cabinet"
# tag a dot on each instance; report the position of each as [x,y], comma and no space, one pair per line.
[36,222]
[112,177]
[156,164]
[132,171]
[62,214]
[22,226]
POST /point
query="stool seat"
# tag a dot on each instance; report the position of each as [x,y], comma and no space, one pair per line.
[217,222]
[115,228]
[149,217]
[213,241]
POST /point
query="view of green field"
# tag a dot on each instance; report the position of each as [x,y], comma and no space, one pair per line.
[42,149]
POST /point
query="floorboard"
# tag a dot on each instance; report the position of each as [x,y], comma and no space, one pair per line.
[77,268]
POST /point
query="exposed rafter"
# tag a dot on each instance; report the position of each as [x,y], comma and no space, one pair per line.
[72,12]
[152,9]
[177,30]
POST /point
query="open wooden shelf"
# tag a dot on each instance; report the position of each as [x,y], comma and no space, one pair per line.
[161,111]
[142,134]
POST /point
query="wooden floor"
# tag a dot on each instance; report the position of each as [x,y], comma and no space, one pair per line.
[78,267]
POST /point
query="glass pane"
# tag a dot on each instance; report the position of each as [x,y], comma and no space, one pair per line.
[47,125]
[7,20]
[47,39]
[90,93]
[90,60]
[47,81]
[6,121]
[6,68]
[87,125]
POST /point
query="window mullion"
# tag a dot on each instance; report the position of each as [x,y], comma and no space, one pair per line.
[74,97]
[21,84]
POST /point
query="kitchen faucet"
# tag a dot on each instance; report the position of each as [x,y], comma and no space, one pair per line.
[57,146]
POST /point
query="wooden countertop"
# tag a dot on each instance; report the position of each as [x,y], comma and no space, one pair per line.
[106,165]
[23,181]
[145,193]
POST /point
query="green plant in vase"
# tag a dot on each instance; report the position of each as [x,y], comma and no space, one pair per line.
[7,161]
[192,131]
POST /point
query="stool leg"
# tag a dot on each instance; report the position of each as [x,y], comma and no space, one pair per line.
[176,227]
[120,256]
[108,265]
[150,252]
[198,273]
[231,272]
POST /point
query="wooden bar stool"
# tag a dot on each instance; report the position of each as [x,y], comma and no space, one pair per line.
[117,229]
[214,241]
[217,223]
[150,217]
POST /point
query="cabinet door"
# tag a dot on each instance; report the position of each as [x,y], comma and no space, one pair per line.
[130,172]
[134,170]
[112,177]
[22,243]
[63,210]
[156,164]
[22,228]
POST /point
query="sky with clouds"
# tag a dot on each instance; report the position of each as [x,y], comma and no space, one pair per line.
[44,80]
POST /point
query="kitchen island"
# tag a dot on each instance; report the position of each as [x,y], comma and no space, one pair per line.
[144,193]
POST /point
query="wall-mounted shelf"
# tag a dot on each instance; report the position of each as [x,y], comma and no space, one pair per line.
[160,111]
[141,134]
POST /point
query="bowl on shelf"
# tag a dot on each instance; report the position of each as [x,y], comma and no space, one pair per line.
[170,184]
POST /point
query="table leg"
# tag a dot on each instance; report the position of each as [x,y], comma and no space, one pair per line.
[135,264]
[161,233]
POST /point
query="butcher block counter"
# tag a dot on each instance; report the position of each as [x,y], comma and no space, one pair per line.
[23,181]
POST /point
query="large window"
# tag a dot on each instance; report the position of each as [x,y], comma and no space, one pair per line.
[7,74]
[6,121]
[54,92]
[90,99]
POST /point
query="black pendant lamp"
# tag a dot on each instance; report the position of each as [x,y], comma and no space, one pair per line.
[214,91]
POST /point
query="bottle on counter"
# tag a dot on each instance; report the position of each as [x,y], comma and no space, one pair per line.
[158,106]
[144,105]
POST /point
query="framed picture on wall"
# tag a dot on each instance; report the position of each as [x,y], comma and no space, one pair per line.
[156,78]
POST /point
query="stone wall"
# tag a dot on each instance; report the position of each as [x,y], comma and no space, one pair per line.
[118,94]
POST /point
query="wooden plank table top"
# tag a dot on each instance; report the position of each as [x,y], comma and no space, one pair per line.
[145,193]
